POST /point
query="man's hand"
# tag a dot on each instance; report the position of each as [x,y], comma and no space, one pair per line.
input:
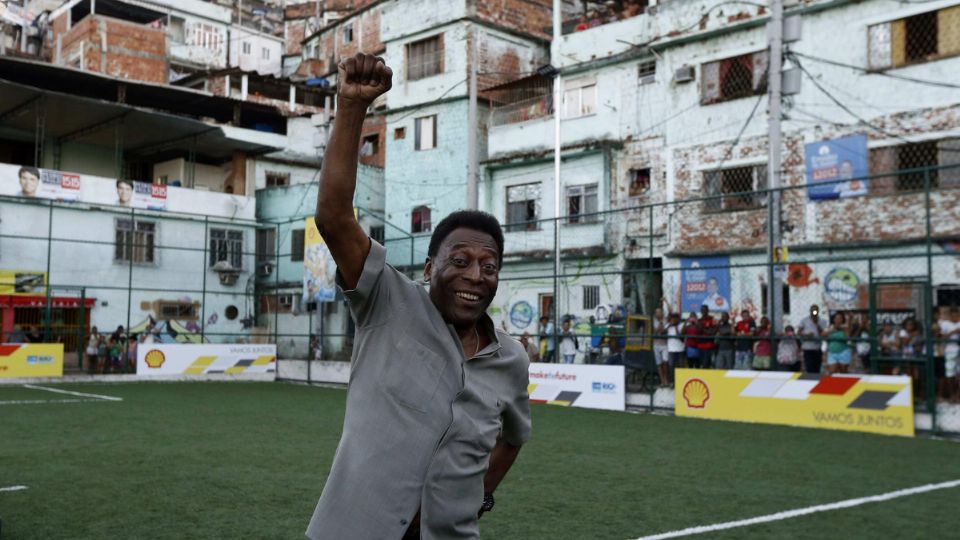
[363,78]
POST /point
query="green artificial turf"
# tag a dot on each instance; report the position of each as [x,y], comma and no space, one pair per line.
[248,460]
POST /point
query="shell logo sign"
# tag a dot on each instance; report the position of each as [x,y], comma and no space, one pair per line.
[696,393]
[154,358]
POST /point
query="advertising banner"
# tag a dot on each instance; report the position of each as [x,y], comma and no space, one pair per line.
[578,385]
[141,195]
[34,183]
[705,281]
[870,403]
[319,270]
[17,282]
[205,359]
[31,360]
[831,161]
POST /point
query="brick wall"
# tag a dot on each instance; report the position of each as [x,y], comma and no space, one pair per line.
[133,51]
[296,32]
[375,125]
[533,17]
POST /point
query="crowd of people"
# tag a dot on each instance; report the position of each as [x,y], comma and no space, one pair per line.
[608,12]
[819,344]
[117,352]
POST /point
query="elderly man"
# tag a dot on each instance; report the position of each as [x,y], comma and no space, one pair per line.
[437,406]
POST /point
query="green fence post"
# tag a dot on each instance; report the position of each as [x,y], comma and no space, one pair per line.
[203,293]
[81,346]
[47,312]
[930,372]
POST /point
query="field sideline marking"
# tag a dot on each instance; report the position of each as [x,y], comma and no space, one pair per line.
[68,392]
[13,488]
[803,511]
[42,401]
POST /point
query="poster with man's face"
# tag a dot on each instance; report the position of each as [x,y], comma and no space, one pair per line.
[35,183]
[705,281]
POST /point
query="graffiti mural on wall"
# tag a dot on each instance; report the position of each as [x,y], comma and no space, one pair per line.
[842,285]
[800,275]
[521,314]
[176,329]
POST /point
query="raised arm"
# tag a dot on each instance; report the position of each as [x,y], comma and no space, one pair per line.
[361,79]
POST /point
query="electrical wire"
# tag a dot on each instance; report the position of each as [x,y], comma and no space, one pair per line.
[879,73]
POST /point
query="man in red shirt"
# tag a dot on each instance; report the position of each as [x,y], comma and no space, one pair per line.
[745,330]
[707,343]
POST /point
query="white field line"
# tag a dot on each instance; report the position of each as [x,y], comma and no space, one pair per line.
[13,488]
[849,503]
[42,401]
[69,393]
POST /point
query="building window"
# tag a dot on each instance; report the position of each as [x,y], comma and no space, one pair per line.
[425,133]
[420,220]
[591,296]
[736,188]
[246,47]
[523,207]
[167,310]
[425,58]
[370,146]
[277,179]
[286,303]
[377,233]
[348,33]
[579,98]
[135,241]
[399,133]
[265,53]
[582,204]
[639,181]
[296,245]
[647,72]
[226,245]
[915,39]
[734,78]
[922,159]
[266,245]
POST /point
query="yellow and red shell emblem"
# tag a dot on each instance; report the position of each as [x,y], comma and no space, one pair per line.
[696,393]
[154,358]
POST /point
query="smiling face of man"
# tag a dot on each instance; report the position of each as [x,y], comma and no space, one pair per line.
[464,276]
[28,183]
[124,192]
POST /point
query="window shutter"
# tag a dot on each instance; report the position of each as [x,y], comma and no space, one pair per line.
[710,82]
[949,154]
[948,26]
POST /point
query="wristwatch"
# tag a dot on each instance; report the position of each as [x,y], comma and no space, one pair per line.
[487,503]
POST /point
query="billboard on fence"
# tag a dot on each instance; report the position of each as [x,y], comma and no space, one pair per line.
[871,403]
[205,359]
[31,360]
[705,281]
[23,282]
[319,270]
[578,385]
[834,160]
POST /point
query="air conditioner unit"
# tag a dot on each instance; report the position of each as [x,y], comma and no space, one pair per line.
[265,269]
[684,74]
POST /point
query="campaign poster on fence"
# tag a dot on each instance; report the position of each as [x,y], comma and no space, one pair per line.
[870,403]
[319,270]
[578,385]
[705,281]
[142,195]
[837,168]
[34,183]
[206,359]
[31,360]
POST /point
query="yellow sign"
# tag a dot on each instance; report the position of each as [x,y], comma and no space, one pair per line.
[23,282]
[871,403]
[31,360]
[781,254]
[639,333]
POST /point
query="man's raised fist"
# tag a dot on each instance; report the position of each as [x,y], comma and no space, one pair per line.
[363,78]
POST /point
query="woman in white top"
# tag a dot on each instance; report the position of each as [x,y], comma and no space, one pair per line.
[92,342]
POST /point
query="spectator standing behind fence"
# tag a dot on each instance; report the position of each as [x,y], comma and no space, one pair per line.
[675,348]
[691,329]
[34,335]
[811,330]
[660,353]
[911,345]
[862,348]
[889,340]
[763,347]
[92,352]
[724,355]
[568,343]
[707,345]
[838,344]
[788,350]
[548,344]
[950,331]
[533,352]
[745,329]
[103,354]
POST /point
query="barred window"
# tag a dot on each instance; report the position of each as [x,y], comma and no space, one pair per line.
[296,244]
[425,58]
[348,33]
[734,78]
[277,179]
[523,207]
[647,71]
[915,39]
[582,204]
[735,188]
[134,241]
[420,220]
[177,310]
[591,296]
[226,245]
[639,181]
[912,164]
[377,233]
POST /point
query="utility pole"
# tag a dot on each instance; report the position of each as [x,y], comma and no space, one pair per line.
[557,106]
[774,87]
[472,121]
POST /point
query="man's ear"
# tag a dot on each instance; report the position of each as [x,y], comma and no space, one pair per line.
[427,269]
